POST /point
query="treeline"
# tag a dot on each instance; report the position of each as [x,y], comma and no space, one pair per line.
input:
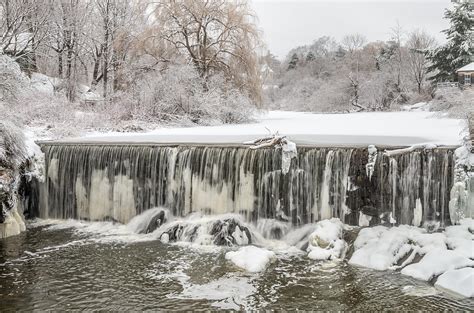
[354,74]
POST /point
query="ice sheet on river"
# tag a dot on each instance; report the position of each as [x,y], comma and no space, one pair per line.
[377,128]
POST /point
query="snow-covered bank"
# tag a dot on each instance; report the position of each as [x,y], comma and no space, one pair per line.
[376,128]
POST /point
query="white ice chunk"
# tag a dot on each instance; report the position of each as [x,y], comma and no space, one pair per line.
[251,258]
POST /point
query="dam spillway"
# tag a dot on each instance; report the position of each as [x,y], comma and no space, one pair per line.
[118,181]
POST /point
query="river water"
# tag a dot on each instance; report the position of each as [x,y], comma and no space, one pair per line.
[96,266]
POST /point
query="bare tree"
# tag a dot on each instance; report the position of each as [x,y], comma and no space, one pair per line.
[353,44]
[23,27]
[397,40]
[418,44]
[216,36]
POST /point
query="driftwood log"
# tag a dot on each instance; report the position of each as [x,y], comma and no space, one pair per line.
[270,141]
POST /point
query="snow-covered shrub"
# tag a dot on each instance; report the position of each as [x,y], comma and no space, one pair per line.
[179,94]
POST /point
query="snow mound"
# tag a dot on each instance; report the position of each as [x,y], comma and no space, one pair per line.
[251,258]
[325,243]
[460,282]
[435,263]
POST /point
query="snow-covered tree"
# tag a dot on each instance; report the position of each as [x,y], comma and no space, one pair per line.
[459,49]
[293,62]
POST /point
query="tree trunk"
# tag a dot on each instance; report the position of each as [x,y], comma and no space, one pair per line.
[60,64]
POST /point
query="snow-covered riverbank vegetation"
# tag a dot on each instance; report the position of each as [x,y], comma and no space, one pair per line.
[356,75]
[111,65]
[116,69]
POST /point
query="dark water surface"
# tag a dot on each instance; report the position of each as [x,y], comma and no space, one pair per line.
[61,269]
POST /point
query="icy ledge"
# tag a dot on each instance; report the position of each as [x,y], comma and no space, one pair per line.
[445,256]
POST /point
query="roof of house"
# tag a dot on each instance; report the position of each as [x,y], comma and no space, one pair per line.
[467,68]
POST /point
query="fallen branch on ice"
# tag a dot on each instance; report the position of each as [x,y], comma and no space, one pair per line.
[273,141]
[288,148]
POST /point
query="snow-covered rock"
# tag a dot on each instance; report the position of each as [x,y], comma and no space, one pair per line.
[461,237]
[383,248]
[12,78]
[326,243]
[219,230]
[459,282]
[251,258]
[437,262]
[380,247]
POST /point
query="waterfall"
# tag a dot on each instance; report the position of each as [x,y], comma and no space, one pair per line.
[118,182]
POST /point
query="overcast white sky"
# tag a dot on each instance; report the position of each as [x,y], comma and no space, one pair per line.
[290,23]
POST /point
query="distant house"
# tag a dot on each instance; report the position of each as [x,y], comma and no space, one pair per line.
[466,75]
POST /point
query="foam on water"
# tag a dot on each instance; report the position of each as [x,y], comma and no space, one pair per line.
[228,293]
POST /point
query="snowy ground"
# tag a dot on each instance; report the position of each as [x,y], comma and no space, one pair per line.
[355,129]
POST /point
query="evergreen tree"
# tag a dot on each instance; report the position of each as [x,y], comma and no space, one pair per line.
[293,62]
[459,50]
[310,57]
[340,52]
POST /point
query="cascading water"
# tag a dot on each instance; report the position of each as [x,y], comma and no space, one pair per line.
[117,182]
